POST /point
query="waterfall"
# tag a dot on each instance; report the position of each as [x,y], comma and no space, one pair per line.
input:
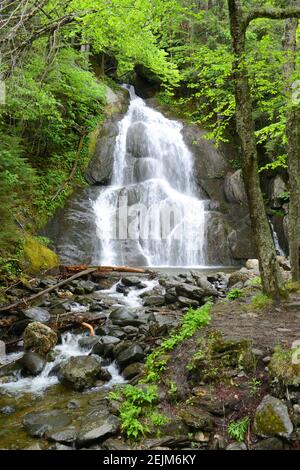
[152,214]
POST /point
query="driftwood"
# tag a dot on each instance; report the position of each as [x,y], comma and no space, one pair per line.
[83,271]
[46,291]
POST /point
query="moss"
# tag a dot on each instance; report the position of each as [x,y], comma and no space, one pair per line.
[293,286]
[38,257]
[284,368]
[92,140]
[268,423]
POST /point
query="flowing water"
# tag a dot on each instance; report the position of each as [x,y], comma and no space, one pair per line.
[152,214]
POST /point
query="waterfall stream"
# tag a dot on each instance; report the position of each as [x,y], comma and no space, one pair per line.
[152,214]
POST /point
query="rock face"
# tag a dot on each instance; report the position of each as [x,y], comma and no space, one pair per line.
[39,338]
[80,372]
[234,188]
[272,418]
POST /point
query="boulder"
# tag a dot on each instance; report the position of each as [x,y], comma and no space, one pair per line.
[38,423]
[130,281]
[39,338]
[239,276]
[97,428]
[80,372]
[234,188]
[272,418]
[38,257]
[253,265]
[276,189]
[123,317]
[237,446]
[32,363]
[190,292]
[105,345]
[132,370]
[65,436]
[154,301]
[185,302]
[272,443]
[37,314]
[130,355]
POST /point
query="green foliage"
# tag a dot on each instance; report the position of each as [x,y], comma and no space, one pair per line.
[261,302]
[238,429]
[156,362]
[137,404]
[255,281]
[235,294]
[255,385]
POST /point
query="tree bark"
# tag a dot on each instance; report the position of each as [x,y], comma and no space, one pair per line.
[293,146]
[269,268]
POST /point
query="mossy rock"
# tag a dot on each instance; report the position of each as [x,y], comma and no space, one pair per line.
[285,366]
[272,418]
[38,257]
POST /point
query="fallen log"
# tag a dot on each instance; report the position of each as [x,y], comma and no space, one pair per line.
[105,269]
[24,301]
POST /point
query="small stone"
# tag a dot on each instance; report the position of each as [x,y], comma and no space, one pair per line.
[73,404]
[272,443]
[97,429]
[201,437]
[257,352]
[65,436]
[266,359]
[237,446]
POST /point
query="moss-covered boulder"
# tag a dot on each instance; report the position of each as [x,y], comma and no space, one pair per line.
[272,418]
[285,366]
[38,257]
[39,338]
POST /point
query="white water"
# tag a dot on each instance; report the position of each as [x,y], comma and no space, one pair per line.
[151,214]
[36,385]
[70,347]
[278,248]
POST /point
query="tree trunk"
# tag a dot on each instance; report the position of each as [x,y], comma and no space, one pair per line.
[293,147]
[269,268]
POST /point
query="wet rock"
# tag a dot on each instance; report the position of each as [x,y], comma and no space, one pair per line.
[197,419]
[86,287]
[39,338]
[237,446]
[96,429]
[272,418]
[38,423]
[123,317]
[130,281]
[204,284]
[273,443]
[80,372]
[105,345]
[65,436]
[191,292]
[132,370]
[154,301]
[18,328]
[88,342]
[130,355]
[130,330]
[32,363]
[170,296]
[115,444]
[37,314]
[185,302]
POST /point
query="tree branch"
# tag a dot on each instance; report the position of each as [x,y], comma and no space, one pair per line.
[272,13]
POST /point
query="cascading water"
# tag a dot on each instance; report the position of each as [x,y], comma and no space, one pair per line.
[152,214]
